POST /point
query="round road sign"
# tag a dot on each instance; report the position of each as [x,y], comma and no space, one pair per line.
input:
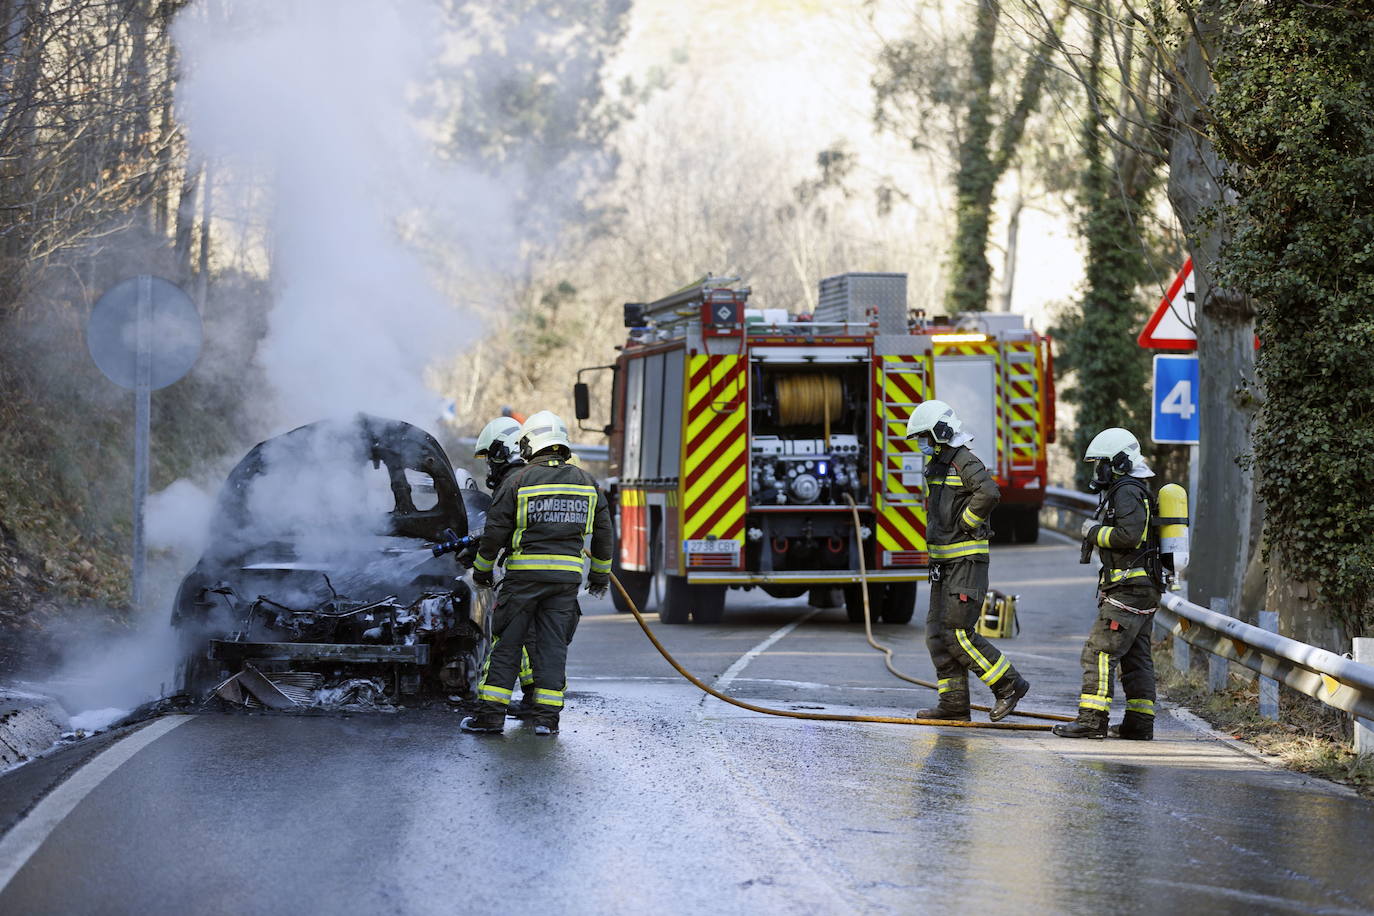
[173,332]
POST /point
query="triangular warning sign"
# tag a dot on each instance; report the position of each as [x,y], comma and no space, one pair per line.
[1171,326]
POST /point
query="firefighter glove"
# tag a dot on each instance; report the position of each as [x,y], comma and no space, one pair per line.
[482,578]
[466,556]
[597,584]
[1088,526]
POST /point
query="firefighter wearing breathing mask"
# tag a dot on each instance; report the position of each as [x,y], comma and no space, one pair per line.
[542,515]
[1129,586]
[497,444]
[960,498]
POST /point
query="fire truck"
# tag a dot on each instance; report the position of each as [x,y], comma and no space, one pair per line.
[738,436]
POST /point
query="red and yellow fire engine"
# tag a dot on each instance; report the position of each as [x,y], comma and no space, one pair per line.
[737,433]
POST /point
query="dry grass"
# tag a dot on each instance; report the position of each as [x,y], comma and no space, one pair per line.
[1309,737]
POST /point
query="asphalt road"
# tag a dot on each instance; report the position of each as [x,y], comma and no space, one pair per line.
[654,799]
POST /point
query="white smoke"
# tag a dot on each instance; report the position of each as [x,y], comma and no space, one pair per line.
[327,101]
[318,118]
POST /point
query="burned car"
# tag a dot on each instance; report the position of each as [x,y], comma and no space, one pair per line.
[322,584]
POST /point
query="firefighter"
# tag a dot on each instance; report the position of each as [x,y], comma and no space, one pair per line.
[960,497]
[498,445]
[1129,585]
[541,515]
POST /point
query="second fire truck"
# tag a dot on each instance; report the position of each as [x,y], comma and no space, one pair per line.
[738,435]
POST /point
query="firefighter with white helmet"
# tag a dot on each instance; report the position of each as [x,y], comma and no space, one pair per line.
[542,514]
[960,498]
[498,444]
[1129,585]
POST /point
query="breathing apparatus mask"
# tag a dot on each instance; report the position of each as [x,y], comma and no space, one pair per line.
[1106,470]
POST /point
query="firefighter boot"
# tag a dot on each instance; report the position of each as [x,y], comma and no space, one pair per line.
[526,708]
[1091,723]
[1135,726]
[1009,692]
[953,700]
[484,723]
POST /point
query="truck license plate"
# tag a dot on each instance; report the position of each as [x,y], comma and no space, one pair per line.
[712,546]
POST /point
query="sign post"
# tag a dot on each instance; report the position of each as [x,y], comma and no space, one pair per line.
[143,334]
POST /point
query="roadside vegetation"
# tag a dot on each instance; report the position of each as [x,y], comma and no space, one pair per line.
[1309,737]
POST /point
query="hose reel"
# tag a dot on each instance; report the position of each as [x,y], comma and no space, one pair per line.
[808,399]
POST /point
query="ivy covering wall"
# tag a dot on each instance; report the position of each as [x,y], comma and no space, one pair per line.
[1294,114]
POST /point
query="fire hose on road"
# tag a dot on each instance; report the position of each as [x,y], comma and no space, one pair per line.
[837,717]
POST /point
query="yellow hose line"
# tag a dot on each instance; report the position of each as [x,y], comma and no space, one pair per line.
[791,714]
[887,650]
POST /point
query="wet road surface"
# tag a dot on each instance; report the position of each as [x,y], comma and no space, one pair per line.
[656,799]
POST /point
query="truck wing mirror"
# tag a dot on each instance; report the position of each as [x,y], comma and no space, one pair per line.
[582,401]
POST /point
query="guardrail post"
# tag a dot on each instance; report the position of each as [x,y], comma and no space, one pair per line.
[1364,728]
[1182,661]
[1217,666]
[1268,687]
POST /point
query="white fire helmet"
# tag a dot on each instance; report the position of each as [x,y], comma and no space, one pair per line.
[501,431]
[1115,451]
[543,430]
[934,419]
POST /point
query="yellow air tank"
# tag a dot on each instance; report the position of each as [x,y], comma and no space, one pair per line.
[997,619]
[1173,531]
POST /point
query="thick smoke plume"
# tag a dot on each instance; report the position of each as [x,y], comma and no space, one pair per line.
[319,121]
[327,102]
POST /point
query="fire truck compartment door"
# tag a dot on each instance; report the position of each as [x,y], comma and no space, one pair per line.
[969,385]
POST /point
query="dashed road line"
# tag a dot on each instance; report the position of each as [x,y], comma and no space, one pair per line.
[743,661]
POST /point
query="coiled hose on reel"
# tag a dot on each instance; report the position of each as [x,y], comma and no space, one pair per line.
[807,399]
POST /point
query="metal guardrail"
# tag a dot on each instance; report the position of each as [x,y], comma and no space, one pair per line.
[1064,510]
[1333,679]
[1321,674]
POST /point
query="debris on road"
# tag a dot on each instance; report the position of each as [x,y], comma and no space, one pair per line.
[29,725]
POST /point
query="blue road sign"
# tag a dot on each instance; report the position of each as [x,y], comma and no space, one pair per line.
[1174,420]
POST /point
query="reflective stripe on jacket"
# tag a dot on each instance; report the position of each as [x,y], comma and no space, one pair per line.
[543,514]
[961,495]
[1122,539]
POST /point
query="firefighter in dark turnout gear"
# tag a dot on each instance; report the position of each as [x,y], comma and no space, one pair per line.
[542,515]
[498,445]
[961,496]
[1129,586]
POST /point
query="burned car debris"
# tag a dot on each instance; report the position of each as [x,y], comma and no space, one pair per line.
[323,584]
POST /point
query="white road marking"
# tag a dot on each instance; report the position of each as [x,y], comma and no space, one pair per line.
[23,840]
[743,661]
[807,685]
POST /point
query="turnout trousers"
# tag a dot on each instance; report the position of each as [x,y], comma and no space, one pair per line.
[956,599]
[540,617]
[1120,641]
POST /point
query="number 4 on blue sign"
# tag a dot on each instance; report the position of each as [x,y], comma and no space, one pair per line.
[1179,400]
[1175,419]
